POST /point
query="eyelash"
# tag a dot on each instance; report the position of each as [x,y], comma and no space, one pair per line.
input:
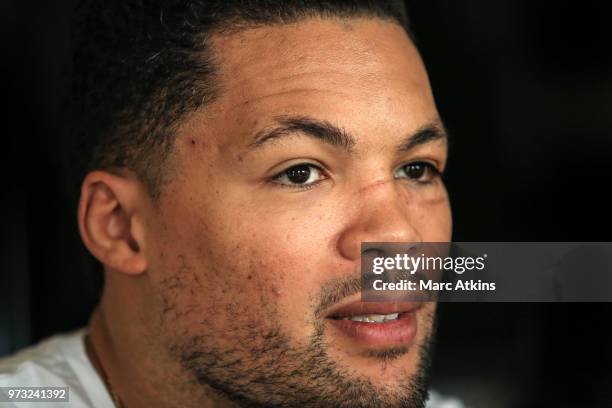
[299,186]
[428,167]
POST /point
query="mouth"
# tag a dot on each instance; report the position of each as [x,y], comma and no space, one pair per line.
[376,324]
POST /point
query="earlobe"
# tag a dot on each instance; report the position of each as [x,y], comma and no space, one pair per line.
[109,210]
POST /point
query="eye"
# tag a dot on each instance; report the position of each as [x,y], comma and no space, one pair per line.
[300,176]
[421,172]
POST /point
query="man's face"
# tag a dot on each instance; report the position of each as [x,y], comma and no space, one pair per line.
[251,258]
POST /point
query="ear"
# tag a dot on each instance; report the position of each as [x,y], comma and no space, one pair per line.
[111,220]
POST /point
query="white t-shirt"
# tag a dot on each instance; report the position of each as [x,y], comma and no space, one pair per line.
[61,361]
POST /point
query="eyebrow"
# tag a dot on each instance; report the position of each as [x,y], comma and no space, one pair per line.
[328,133]
[428,133]
[319,129]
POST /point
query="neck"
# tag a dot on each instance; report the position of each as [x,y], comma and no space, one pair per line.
[134,363]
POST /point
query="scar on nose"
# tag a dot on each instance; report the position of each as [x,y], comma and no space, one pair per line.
[373,185]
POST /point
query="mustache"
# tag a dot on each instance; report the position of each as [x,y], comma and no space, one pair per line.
[334,291]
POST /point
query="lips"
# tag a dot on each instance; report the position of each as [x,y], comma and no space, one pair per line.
[376,325]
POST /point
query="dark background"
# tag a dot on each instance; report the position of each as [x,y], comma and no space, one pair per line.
[525,88]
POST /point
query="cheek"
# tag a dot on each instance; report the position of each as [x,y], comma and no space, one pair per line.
[234,277]
[432,216]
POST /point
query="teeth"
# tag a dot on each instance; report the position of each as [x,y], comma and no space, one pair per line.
[377,318]
[392,316]
[373,318]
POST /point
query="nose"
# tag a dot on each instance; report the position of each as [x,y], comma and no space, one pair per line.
[379,214]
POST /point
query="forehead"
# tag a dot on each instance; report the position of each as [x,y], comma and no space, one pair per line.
[361,71]
[364,46]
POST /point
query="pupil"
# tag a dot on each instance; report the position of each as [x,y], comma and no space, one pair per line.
[415,171]
[299,174]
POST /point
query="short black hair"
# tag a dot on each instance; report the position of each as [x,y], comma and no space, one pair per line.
[139,66]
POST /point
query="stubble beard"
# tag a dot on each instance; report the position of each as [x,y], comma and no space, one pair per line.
[264,369]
